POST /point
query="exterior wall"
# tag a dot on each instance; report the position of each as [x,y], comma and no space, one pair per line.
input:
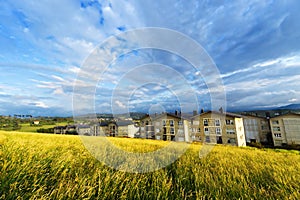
[132,130]
[84,131]
[256,129]
[112,129]
[218,128]
[285,129]
[99,130]
[240,134]
[186,130]
[195,132]
[163,127]
[123,131]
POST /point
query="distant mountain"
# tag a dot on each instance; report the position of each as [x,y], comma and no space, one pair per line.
[290,107]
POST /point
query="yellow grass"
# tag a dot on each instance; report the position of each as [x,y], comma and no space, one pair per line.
[41,166]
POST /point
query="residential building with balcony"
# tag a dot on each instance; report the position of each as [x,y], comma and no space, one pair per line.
[218,128]
[163,126]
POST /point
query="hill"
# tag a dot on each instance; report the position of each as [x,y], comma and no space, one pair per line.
[291,107]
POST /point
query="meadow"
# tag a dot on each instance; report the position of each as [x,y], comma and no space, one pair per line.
[26,127]
[42,166]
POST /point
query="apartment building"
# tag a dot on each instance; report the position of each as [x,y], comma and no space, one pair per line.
[285,129]
[163,126]
[217,127]
[257,129]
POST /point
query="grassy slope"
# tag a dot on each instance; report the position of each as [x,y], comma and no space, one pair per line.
[59,167]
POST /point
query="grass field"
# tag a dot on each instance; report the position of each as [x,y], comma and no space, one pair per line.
[41,166]
[25,127]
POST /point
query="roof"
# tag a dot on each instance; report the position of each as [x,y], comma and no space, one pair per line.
[253,116]
[124,122]
[286,114]
[157,116]
[219,113]
[103,124]
[83,126]
[60,127]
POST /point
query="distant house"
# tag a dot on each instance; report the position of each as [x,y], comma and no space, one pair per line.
[60,129]
[36,122]
[218,127]
[100,129]
[285,129]
[83,130]
[123,128]
[257,129]
[69,129]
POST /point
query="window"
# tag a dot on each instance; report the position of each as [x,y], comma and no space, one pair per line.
[149,128]
[217,122]
[199,130]
[230,131]
[218,131]
[180,132]
[171,122]
[172,131]
[205,122]
[164,122]
[277,135]
[206,131]
[229,122]
[147,123]
[157,130]
[193,130]
[276,128]
[180,123]
[207,139]
[275,122]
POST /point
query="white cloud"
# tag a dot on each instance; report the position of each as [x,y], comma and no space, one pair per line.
[120,104]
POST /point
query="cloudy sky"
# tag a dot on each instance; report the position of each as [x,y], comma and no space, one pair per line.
[254,45]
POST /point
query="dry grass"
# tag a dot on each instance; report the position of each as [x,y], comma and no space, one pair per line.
[40,166]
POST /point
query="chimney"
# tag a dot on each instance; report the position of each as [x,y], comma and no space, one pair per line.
[176,112]
[202,110]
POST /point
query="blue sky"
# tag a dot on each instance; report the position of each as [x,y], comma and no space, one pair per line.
[254,44]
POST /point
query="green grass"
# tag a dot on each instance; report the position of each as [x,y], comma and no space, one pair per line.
[41,166]
[27,128]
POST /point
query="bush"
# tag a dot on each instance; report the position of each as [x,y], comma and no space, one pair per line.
[45,130]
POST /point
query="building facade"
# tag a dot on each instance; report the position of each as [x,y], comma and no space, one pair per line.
[163,126]
[257,129]
[218,128]
[285,129]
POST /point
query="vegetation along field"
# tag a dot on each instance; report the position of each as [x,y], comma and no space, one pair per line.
[41,166]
